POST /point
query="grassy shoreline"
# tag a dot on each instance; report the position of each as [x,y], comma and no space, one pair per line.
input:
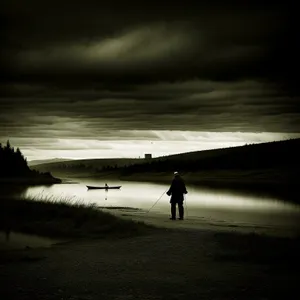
[64,219]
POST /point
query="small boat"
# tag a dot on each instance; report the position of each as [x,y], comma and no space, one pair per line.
[103,187]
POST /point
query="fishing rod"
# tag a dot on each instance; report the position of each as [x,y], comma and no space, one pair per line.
[156,201]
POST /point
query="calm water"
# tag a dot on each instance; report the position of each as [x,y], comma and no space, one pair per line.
[207,206]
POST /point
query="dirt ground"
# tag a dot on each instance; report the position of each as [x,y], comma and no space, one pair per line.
[166,264]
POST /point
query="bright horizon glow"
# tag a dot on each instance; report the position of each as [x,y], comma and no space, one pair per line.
[137,143]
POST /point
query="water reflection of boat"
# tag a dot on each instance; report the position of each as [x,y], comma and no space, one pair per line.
[103,187]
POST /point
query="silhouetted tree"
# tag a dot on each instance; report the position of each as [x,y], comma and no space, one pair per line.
[13,165]
[12,162]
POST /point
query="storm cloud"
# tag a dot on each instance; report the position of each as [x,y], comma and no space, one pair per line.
[80,70]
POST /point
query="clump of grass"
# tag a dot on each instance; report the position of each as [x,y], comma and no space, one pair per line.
[64,218]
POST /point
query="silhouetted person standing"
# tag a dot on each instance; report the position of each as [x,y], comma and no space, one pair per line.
[177,191]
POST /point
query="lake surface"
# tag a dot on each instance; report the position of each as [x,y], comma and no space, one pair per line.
[202,206]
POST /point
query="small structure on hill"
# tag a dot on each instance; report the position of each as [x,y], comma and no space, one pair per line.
[148,156]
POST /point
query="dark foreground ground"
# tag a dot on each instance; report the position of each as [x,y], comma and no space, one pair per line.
[166,264]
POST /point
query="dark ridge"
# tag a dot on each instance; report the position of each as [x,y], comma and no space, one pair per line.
[279,154]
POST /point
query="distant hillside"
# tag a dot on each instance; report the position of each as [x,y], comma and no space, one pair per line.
[86,167]
[46,161]
[280,154]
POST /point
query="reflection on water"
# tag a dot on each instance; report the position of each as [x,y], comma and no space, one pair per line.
[200,203]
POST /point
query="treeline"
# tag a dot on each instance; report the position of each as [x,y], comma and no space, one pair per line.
[282,154]
[13,164]
[83,167]
[93,166]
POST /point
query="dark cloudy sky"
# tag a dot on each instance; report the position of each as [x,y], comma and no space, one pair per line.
[121,78]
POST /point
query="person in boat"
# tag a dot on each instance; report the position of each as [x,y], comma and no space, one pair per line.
[106,186]
[177,191]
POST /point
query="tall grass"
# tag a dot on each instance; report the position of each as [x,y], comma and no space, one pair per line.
[64,217]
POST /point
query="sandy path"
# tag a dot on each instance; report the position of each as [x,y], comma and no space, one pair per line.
[204,223]
[184,264]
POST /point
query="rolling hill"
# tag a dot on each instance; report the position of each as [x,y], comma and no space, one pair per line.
[279,154]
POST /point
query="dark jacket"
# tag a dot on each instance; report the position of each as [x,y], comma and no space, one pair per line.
[176,190]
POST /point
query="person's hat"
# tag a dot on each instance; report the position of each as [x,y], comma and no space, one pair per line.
[176,173]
